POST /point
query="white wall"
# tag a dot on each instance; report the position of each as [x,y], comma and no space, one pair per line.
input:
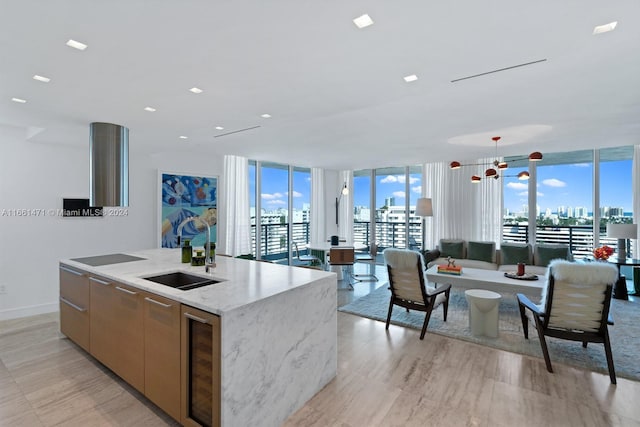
[39,176]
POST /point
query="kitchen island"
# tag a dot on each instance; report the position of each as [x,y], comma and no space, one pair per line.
[277,327]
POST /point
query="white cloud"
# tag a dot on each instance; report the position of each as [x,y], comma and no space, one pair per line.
[399,179]
[553,182]
[295,194]
[518,186]
[277,202]
[417,189]
[268,196]
[389,179]
[399,194]
[581,165]
[526,193]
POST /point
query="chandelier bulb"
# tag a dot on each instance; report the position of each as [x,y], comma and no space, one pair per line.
[536,156]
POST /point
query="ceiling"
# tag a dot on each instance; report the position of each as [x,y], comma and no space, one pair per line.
[335,93]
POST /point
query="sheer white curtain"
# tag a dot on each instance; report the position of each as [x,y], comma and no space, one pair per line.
[235,235]
[462,210]
[345,213]
[318,226]
[489,227]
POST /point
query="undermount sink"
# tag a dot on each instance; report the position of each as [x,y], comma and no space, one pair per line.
[181,280]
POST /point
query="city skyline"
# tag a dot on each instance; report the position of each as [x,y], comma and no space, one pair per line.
[558,185]
[571,185]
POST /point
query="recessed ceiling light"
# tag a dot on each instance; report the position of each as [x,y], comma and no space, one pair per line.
[195,90]
[411,78]
[18,100]
[76,44]
[605,28]
[219,128]
[266,116]
[149,109]
[183,137]
[363,21]
[41,79]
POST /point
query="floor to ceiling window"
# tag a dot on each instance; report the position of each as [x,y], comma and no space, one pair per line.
[565,211]
[253,200]
[391,194]
[414,192]
[362,211]
[300,207]
[616,191]
[274,211]
[280,201]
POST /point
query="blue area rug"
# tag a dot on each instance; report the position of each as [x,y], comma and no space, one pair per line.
[625,334]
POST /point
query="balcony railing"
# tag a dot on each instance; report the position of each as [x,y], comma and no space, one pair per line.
[274,238]
[580,238]
[388,234]
[273,245]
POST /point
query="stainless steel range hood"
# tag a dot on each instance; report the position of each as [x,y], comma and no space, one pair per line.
[109,152]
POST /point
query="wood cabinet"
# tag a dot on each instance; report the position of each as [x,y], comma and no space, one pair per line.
[168,351]
[200,363]
[162,353]
[74,306]
[117,329]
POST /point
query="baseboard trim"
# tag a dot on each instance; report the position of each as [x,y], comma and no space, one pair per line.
[15,313]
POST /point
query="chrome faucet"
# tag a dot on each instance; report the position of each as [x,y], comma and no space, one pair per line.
[210,260]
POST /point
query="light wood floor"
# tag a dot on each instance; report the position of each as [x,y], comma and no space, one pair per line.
[384,379]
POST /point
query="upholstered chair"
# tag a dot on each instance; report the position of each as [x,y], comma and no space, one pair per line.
[409,288]
[574,306]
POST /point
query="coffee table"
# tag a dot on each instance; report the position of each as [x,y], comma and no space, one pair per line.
[491,280]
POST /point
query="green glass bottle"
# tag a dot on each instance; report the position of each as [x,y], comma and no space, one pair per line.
[186,251]
[198,258]
[212,251]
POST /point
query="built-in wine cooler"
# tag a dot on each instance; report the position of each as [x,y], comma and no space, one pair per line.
[200,368]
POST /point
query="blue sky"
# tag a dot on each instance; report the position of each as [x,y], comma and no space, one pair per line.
[570,185]
[274,188]
[386,186]
[558,185]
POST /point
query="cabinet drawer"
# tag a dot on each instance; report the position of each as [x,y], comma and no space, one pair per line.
[74,323]
[74,306]
[74,286]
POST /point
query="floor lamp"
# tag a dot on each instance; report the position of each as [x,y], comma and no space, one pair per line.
[622,232]
[424,208]
[343,192]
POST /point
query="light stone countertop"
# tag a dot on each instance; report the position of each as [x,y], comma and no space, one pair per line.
[243,281]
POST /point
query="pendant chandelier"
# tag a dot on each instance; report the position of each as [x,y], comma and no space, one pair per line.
[498,165]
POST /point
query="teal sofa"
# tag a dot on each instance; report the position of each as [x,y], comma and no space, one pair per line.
[484,255]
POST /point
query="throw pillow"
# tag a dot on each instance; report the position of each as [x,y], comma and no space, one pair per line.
[452,248]
[482,251]
[430,256]
[513,253]
[545,253]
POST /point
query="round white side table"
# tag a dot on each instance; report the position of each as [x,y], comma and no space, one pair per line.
[483,311]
